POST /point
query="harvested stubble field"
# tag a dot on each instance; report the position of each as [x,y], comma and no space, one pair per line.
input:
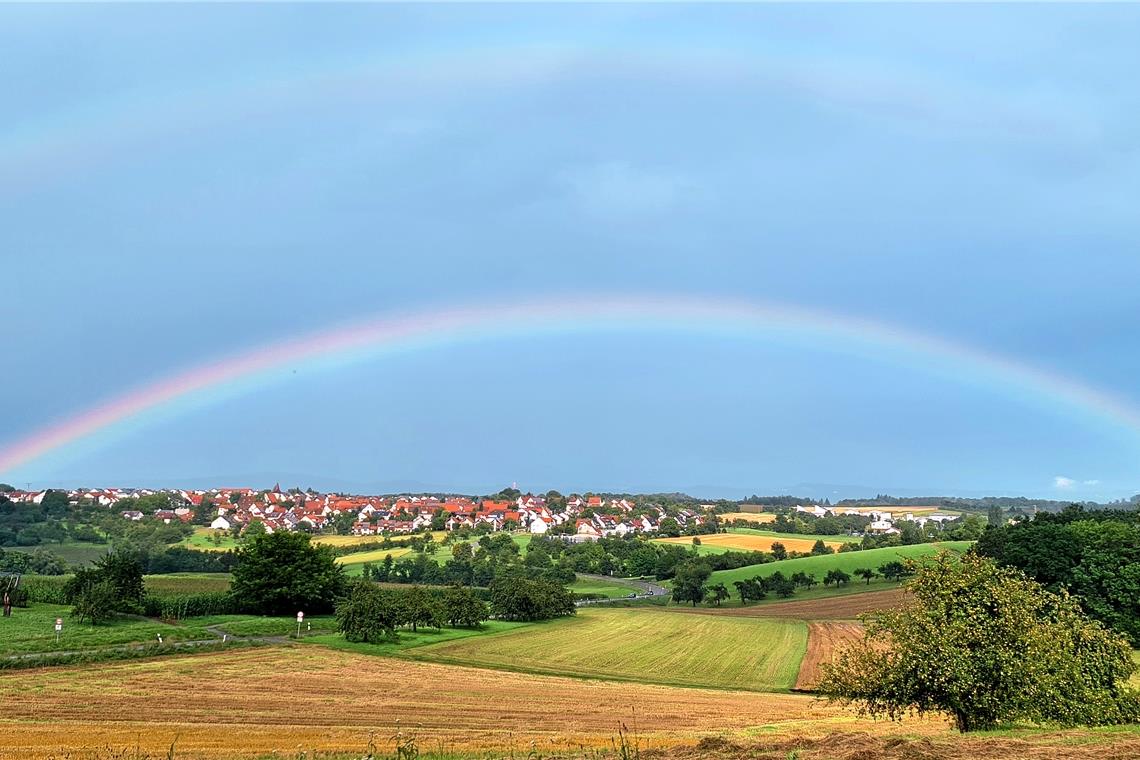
[288,701]
[245,703]
[749,542]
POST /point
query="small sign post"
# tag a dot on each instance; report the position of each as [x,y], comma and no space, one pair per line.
[300,619]
[58,628]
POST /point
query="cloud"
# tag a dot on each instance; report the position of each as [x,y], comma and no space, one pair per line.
[619,189]
[1062,483]
[1091,483]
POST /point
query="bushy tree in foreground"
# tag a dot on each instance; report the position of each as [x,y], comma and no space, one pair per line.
[282,573]
[986,645]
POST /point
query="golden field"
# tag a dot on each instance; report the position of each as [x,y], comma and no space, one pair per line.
[242,703]
[747,542]
[754,517]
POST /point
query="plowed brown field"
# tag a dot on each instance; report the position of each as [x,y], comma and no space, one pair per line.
[823,639]
[847,607]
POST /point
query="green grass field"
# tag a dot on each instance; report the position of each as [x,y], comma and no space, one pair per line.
[32,629]
[845,561]
[409,640]
[645,645]
[608,589]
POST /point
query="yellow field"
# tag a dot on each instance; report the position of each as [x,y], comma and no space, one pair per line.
[255,702]
[354,540]
[745,542]
[648,645]
[754,517]
[377,555]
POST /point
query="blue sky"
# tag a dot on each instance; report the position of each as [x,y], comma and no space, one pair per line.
[180,183]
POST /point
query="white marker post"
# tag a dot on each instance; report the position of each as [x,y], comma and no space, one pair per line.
[58,628]
[300,618]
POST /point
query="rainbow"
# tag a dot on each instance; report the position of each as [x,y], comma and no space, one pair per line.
[661,314]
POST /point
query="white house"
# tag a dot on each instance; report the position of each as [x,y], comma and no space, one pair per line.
[539,526]
[220,523]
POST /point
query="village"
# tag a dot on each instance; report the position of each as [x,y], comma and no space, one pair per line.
[575,517]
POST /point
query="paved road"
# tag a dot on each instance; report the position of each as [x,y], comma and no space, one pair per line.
[642,589]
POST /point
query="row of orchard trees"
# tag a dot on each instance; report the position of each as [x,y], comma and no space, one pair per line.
[689,583]
[372,613]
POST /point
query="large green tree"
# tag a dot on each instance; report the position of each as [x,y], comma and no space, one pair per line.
[283,573]
[689,582]
[368,613]
[987,646]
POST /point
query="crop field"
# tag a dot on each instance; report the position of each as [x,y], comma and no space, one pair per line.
[846,561]
[823,640]
[752,517]
[252,702]
[71,552]
[647,645]
[751,542]
[805,536]
[32,629]
[187,583]
[298,701]
[375,556]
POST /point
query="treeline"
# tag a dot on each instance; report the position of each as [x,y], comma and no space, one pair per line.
[1093,555]
[690,584]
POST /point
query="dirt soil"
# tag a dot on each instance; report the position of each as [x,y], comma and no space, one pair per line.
[823,639]
[847,607]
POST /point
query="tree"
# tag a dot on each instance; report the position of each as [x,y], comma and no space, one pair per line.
[518,598]
[838,577]
[779,551]
[282,573]
[462,609]
[986,645]
[819,547]
[892,571]
[689,581]
[420,608]
[124,571]
[205,511]
[994,518]
[718,593]
[367,613]
[95,602]
[866,574]
[669,527]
